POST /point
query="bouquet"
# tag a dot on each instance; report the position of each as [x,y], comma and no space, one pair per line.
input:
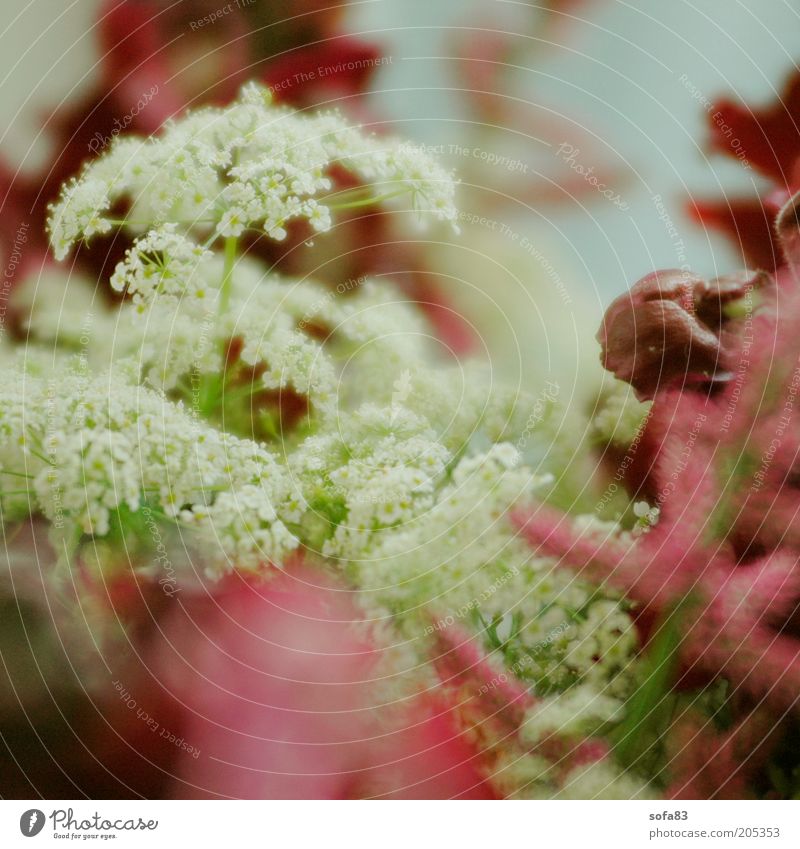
[269,537]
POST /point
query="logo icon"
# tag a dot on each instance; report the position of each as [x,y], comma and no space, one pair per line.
[31,822]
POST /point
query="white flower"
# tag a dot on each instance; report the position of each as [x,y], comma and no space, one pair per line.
[95,445]
[79,214]
[249,165]
[398,470]
[162,264]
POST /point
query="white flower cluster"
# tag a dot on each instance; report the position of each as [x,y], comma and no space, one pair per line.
[621,416]
[410,492]
[248,165]
[81,213]
[519,775]
[575,715]
[164,264]
[291,334]
[459,560]
[375,471]
[81,449]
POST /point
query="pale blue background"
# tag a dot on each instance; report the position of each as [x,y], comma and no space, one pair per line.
[620,70]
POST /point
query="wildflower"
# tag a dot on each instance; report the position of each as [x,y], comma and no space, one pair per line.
[249,165]
[247,416]
[722,559]
[162,264]
[95,447]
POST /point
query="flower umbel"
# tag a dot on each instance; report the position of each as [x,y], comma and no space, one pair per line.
[219,172]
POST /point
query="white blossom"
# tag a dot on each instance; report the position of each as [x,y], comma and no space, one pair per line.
[89,447]
[248,165]
[162,264]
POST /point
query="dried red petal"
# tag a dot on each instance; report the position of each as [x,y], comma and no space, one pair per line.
[770,137]
[747,223]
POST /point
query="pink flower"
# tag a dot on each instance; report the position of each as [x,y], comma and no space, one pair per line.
[276,688]
[718,455]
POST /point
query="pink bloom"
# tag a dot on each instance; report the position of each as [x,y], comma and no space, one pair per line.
[710,764]
[718,456]
[770,139]
[276,684]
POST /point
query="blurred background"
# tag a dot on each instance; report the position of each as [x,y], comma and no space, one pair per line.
[579,128]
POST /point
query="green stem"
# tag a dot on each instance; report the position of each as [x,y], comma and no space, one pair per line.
[41,457]
[369,201]
[210,387]
[125,222]
[236,392]
[231,245]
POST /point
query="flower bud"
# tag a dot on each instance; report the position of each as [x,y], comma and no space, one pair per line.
[671,328]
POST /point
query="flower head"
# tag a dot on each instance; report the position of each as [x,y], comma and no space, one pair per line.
[251,165]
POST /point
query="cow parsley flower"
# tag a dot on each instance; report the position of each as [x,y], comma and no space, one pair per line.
[81,213]
[162,264]
[92,446]
[621,416]
[250,165]
[458,561]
